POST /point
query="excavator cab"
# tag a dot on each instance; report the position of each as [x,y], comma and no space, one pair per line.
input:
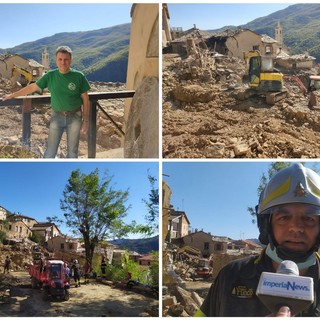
[263,76]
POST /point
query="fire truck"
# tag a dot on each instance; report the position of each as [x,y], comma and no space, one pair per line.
[50,275]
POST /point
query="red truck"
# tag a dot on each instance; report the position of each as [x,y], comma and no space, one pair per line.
[51,277]
[204,269]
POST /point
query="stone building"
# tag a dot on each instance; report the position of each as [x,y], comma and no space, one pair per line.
[235,43]
[63,243]
[178,224]
[141,116]
[205,242]
[46,230]
[19,226]
[166,32]
[8,62]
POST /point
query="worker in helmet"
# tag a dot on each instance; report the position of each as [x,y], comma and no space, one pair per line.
[289,224]
[76,272]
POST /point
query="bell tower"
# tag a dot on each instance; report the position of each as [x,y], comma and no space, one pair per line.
[45,59]
[278,34]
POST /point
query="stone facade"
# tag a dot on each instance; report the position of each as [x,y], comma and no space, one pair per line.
[141,116]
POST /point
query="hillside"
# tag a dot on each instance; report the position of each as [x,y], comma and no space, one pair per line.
[141,246]
[101,54]
[300,25]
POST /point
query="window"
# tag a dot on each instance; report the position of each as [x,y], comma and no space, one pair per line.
[255,48]
[268,49]
[61,246]
[206,246]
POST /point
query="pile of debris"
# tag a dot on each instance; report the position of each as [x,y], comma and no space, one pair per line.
[202,117]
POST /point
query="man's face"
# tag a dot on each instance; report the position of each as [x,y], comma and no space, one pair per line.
[63,61]
[294,227]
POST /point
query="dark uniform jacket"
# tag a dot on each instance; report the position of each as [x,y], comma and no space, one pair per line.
[233,293]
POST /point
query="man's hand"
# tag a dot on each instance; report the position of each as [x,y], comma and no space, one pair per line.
[7,97]
[283,312]
[84,127]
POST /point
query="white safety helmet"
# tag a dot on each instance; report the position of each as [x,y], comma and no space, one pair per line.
[294,184]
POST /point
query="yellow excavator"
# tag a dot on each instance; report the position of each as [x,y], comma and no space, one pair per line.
[26,78]
[262,78]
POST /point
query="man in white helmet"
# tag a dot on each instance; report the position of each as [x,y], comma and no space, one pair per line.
[289,225]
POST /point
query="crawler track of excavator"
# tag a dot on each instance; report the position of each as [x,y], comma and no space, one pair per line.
[271,97]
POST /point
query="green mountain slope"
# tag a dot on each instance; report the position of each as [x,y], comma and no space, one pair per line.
[300,26]
[101,54]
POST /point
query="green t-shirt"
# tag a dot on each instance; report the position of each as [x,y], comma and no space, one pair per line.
[65,89]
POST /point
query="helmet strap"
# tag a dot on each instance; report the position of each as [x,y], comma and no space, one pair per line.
[303,260]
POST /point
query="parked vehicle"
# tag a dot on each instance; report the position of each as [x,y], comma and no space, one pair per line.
[204,270]
[51,276]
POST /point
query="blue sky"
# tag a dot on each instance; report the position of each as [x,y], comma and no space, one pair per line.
[208,16]
[35,188]
[216,195]
[24,22]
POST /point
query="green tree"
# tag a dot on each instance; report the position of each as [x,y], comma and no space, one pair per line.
[35,237]
[94,210]
[152,204]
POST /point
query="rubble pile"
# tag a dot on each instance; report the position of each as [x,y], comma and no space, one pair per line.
[184,291]
[202,117]
[108,136]
[20,254]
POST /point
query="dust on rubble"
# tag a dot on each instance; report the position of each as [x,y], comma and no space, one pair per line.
[201,117]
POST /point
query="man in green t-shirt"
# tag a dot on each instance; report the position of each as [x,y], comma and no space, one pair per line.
[69,101]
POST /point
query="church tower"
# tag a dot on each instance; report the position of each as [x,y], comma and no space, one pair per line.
[278,34]
[45,59]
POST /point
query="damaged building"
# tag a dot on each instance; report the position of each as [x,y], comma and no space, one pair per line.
[235,43]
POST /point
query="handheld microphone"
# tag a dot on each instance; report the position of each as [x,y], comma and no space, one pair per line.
[285,288]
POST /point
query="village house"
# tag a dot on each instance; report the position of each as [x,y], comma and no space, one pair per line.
[205,242]
[46,230]
[146,260]
[64,244]
[8,62]
[178,224]
[244,246]
[3,214]
[234,43]
[19,226]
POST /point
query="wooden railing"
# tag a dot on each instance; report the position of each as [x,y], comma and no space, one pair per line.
[28,101]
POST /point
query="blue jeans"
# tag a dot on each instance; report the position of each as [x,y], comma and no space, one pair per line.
[59,123]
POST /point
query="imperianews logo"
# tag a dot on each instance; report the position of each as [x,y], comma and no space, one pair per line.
[286,285]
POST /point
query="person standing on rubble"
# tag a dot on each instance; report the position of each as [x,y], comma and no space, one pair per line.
[288,216]
[7,264]
[69,101]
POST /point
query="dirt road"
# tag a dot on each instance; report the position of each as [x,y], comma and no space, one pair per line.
[91,300]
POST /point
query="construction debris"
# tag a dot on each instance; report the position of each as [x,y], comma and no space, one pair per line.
[202,117]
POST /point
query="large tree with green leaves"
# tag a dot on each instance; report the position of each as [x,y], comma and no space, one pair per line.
[94,209]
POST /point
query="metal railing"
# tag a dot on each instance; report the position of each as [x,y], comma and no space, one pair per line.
[28,101]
